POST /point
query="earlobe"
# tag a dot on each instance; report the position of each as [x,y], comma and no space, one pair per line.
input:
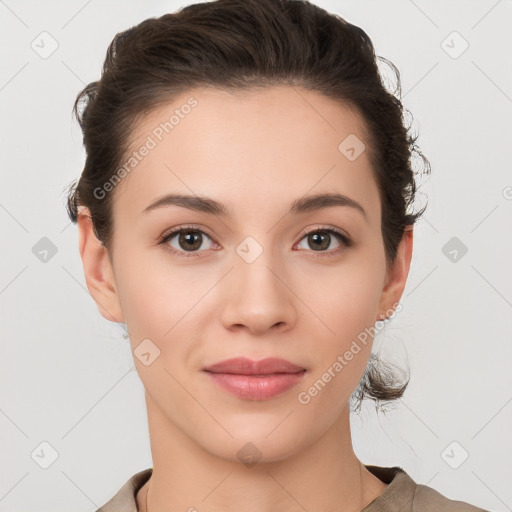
[397,275]
[98,270]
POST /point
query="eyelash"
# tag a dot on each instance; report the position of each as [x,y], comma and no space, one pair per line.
[346,242]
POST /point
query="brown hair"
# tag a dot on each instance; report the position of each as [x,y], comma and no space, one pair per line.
[237,44]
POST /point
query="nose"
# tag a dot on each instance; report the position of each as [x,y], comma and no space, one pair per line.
[258,297]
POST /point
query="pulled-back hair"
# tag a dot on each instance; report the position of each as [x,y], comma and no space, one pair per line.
[240,44]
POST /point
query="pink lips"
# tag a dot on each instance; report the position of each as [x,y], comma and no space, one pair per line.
[255,380]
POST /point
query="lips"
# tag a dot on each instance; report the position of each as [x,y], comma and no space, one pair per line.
[244,366]
[255,380]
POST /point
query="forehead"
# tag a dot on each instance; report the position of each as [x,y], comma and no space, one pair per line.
[244,146]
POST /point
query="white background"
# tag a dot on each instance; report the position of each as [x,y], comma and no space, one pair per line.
[67,374]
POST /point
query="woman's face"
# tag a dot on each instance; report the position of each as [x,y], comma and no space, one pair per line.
[252,281]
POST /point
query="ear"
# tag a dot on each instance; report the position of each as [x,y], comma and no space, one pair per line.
[98,271]
[397,275]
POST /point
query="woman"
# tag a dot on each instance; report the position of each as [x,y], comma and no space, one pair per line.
[245,210]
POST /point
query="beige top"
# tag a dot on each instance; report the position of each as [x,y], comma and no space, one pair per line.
[401,495]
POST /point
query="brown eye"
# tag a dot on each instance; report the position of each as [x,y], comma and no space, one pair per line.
[190,240]
[183,240]
[320,240]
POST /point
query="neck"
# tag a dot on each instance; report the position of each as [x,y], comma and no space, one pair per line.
[325,476]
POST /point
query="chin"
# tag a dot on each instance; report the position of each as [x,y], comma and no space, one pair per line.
[251,445]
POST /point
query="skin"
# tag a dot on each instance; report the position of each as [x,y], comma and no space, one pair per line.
[256,152]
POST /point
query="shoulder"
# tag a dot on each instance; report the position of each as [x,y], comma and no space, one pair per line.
[429,499]
[124,499]
[404,494]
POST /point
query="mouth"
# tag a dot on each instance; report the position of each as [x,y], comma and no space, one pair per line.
[255,380]
[244,366]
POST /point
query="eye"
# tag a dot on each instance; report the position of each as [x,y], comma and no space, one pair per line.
[321,238]
[188,239]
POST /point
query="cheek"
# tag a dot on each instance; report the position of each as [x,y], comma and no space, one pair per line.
[148,298]
[164,305]
[347,307]
[342,354]
[349,300]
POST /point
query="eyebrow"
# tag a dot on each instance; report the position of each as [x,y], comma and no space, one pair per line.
[208,205]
